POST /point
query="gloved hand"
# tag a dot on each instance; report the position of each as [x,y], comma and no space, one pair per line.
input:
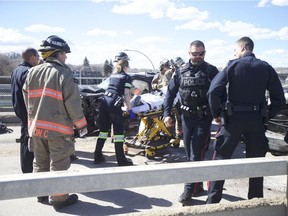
[132,115]
[83,132]
[159,86]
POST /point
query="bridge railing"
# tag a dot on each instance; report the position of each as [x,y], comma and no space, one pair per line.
[101,179]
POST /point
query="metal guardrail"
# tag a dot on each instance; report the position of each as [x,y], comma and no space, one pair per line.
[102,179]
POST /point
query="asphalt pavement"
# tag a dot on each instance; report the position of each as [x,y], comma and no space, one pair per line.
[147,200]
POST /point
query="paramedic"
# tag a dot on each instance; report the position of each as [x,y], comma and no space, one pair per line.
[193,81]
[245,111]
[54,108]
[30,58]
[121,56]
[110,112]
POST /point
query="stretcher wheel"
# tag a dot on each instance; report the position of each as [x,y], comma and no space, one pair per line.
[149,152]
[176,145]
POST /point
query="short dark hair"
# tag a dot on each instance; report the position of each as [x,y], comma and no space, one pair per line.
[247,42]
[197,43]
[27,53]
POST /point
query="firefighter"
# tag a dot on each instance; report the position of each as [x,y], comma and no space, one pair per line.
[177,62]
[162,78]
[30,58]
[110,112]
[54,109]
[245,112]
[193,81]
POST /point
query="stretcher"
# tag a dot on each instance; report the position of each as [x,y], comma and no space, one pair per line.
[152,133]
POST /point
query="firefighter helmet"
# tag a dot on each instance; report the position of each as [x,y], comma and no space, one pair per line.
[54,42]
[178,61]
[164,63]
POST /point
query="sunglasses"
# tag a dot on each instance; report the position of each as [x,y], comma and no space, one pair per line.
[198,53]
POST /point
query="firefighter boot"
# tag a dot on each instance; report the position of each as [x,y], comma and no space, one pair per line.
[98,156]
[120,156]
[73,198]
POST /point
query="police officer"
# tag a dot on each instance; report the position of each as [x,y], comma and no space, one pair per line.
[246,110]
[193,81]
[110,112]
[30,58]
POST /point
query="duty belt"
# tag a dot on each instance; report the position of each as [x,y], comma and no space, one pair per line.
[194,111]
[110,94]
[242,108]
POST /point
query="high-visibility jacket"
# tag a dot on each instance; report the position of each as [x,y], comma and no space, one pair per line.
[52,100]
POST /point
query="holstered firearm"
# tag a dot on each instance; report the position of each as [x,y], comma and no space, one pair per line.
[226,110]
[119,102]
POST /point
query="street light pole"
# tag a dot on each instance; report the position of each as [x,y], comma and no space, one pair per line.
[143,55]
[80,73]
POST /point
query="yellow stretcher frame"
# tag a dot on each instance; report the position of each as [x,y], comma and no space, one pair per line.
[153,134]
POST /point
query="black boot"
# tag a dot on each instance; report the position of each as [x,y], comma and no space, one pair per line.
[73,198]
[99,159]
[98,156]
[185,197]
[120,155]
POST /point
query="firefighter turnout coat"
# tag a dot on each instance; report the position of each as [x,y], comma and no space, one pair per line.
[53,101]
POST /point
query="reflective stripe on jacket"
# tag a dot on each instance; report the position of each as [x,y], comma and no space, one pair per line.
[53,100]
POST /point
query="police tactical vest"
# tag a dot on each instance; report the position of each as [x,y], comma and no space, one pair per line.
[194,85]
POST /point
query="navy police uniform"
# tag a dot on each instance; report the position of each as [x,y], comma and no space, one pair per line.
[17,81]
[192,82]
[110,112]
[244,113]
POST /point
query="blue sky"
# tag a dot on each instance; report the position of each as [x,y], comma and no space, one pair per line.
[159,29]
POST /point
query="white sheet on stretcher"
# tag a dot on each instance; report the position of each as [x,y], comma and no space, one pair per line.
[151,101]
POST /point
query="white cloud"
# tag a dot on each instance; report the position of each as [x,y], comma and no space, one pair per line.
[263,3]
[280,2]
[151,39]
[276,52]
[283,33]
[44,28]
[186,13]
[155,9]
[12,36]
[101,32]
[198,25]
[239,29]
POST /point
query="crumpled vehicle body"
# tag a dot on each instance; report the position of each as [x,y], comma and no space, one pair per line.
[90,96]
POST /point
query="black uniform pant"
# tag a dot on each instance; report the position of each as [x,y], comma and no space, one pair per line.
[196,132]
[250,125]
[26,157]
[109,114]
